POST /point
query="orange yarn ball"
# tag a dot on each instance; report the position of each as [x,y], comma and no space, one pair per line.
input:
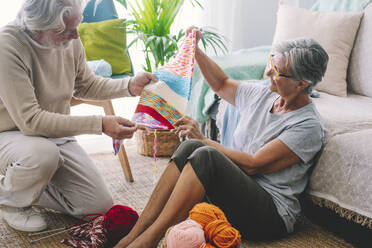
[215,225]
[209,246]
[204,213]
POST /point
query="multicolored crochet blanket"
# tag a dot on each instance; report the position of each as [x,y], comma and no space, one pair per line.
[162,103]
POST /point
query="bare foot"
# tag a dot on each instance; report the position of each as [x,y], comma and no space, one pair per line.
[124,242]
[143,243]
[148,239]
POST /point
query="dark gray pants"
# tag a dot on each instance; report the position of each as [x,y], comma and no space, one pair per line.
[247,206]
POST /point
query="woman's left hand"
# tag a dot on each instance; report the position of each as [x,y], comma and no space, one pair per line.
[189,128]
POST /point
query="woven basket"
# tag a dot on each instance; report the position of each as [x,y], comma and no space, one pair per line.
[166,142]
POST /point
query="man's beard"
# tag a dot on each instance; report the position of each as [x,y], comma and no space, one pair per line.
[49,43]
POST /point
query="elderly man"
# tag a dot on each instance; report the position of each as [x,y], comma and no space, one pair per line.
[42,65]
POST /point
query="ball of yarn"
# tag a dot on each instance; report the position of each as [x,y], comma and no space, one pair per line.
[187,234]
[209,246]
[215,225]
[204,213]
[118,221]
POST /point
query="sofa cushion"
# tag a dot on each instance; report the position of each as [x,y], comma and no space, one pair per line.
[335,31]
[344,114]
[342,176]
[360,71]
[107,40]
[100,67]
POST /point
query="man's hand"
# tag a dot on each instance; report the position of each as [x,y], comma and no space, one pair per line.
[189,128]
[113,127]
[137,83]
[198,33]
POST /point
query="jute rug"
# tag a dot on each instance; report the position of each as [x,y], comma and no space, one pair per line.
[136,195]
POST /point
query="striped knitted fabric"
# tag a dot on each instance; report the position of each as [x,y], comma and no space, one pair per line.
[164,102]
[161,104]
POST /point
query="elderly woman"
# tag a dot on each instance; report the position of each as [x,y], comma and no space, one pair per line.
[257,181]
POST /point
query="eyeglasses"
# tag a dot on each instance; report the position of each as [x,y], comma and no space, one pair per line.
[276,74]
[66,33]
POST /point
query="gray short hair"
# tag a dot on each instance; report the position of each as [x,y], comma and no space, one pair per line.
[37,15]
[306,58]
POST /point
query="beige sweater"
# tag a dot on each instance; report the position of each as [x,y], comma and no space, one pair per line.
[37,83]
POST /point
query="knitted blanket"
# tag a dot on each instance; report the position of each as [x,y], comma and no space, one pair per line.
[162,103]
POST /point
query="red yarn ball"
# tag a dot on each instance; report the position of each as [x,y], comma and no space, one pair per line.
[118,222]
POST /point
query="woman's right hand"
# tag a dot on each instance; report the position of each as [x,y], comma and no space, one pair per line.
[118,127]
[198,33]
[189,128]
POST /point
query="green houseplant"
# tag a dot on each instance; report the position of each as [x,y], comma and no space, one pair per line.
[151,24]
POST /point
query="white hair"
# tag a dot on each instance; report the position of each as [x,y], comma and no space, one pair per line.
[307,59]
[41,15]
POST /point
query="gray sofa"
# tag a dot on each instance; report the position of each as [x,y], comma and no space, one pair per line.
[342,178]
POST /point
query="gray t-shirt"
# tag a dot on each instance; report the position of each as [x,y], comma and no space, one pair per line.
[301,130]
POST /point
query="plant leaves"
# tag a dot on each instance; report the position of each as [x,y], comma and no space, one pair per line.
[152,24]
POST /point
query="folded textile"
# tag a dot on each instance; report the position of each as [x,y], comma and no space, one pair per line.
[341,5]
[100,67]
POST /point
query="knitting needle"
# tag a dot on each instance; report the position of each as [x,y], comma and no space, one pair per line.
[55,230]
[48,236]
[49,231]
[54,234]
[57,233]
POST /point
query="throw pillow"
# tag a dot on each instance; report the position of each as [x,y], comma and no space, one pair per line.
[335,31]
[99,10]
[100,68]
[360,73]
[106,40]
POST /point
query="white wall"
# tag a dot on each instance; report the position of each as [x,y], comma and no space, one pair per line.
[247,23]
[9,11]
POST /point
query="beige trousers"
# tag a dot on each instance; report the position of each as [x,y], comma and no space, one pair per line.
[53,173]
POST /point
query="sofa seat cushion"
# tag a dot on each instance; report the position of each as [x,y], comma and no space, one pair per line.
[342,176]
[344,114]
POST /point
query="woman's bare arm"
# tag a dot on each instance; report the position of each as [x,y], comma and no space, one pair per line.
[219,82]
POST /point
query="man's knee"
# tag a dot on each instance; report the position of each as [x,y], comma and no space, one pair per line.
[101,204]
[43,157]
